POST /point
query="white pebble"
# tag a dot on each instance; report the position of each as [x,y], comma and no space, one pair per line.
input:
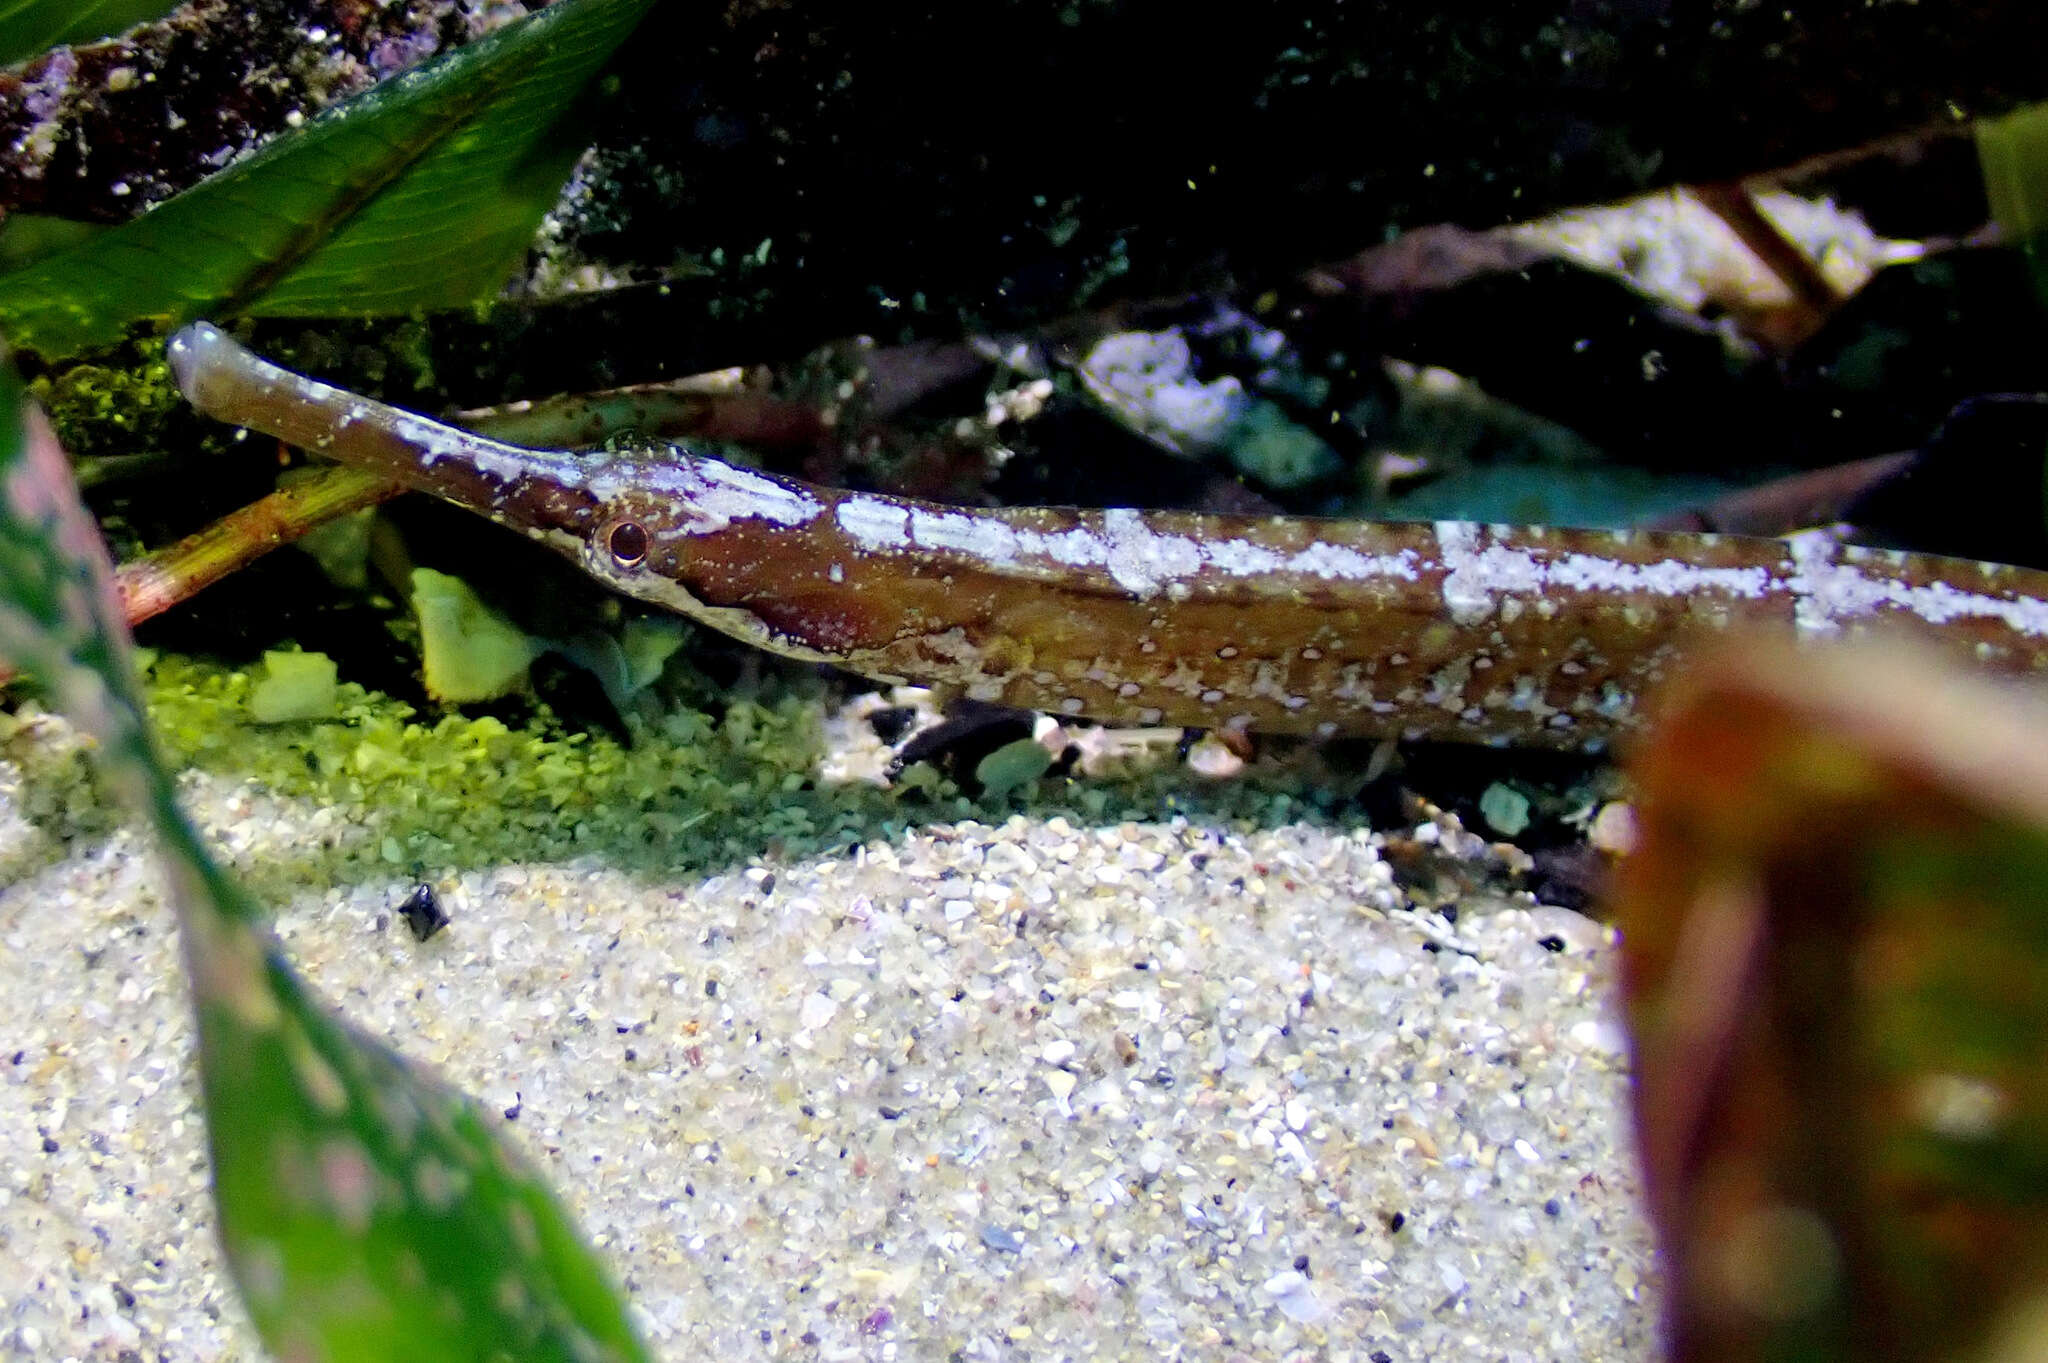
[1604,1035]
[1291,1146]
[1296,1299]
[1613,830]
[817,1011]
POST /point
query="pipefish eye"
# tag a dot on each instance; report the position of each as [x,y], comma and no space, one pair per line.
[628,542]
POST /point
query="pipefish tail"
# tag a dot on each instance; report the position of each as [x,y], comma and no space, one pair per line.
[1451,630]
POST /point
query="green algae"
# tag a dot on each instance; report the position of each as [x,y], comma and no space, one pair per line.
[457,789]
[118,406]
[686,790]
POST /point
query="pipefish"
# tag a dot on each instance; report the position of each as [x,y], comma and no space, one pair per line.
[1448,630]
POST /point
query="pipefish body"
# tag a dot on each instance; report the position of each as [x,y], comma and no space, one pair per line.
[1450,630]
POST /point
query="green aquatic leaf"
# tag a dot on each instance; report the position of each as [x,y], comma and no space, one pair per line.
[370,1214]
[420,193]
[295,686]
[31,26]
[468,652]
[2012,152]
[1012,767]
[26,238]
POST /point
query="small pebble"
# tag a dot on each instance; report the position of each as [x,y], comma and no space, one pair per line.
[817,1010]
[423,913]
[1603,1035]
[1613,829]
[1292,1293]
[1505,809]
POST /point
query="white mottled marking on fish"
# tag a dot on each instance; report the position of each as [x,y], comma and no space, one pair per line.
[1827,591]
[1143,561]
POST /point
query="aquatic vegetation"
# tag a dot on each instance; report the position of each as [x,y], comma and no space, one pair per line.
[451,786]
[295,686]
[369,1213]
[372,207]
[27,28]
[1837,981]
[2013,152]
[468,651]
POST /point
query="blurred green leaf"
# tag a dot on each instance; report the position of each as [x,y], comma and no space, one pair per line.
[370,1214]
[26,238]
[420,193]
[31,26]
[2012,151]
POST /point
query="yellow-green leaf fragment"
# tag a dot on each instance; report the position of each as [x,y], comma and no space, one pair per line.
[370,1215]
[2012,153]
[294,686]
[422,192]
[468,652]
[648,642]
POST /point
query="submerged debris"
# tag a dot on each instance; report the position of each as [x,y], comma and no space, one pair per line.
[423,913]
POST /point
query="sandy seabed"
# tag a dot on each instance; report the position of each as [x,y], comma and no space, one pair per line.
[1043,1087]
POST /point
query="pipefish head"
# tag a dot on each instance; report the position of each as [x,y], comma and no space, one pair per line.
[634,519]
[662,511]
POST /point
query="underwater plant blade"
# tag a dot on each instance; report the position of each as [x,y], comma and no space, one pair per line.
[368,1212]
[26,238]
[421,192]
[372,1214]
[456,226]
[2012,153]
[28,27]
[59,618]
[1836,949]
